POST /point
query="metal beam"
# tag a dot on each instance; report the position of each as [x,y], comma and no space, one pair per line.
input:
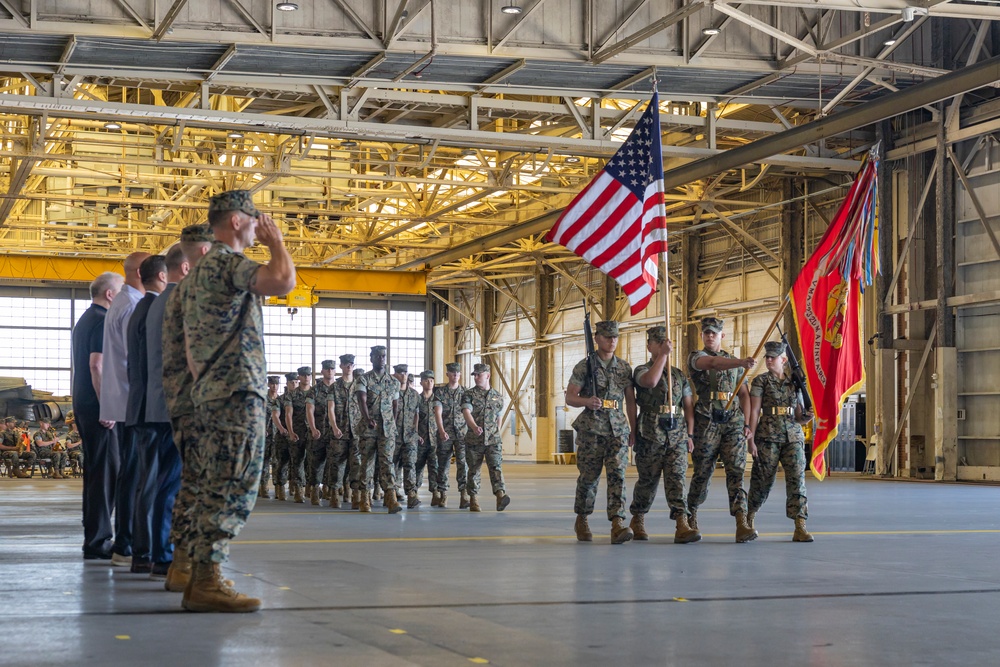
[766,28]
[221,62]
[357,20]
[982,74]
[248,17]
[64,58]
[168,19]
[525,13]
[16,13]
[708,39]
[642,35]
[132,13]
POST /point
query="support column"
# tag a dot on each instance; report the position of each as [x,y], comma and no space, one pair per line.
[690,253]
[544,414]
[881,415]
[609,295]
[946,358]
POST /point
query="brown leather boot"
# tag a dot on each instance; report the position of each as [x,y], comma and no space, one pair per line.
[801,534]
[314,495]
[207,592]
[20,474]
[179,572]
[334,500]
[620,533]
[391,503]
[502,501]
[355,499]
[474,503]
[744,533]
[435,497]
[638,526]
[56,474]
[412,501]
[443,500]
[685,534]
[365,501]
[582,529]
[463,502]
[279,491]
[297,492]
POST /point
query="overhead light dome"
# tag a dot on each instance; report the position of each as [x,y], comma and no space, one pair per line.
[235,135]
[510,9]
[708,32]
[286,6]
[112,125]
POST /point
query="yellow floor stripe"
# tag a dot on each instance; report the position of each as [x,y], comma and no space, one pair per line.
[481,538]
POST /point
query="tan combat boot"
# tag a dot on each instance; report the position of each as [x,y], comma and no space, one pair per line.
[297,493]
[620,533]
[751,517]
[463,502]
[435,497]
[365,504]
[801,534]
[693,519]
[56,474]
[443,500]
[638,526]
[179,572]
[502,501]
[355,499]
[685,534]
[391,503]
[279,491]
[582,529]
[314,495]
[474,503]
[208,592]
[412,501]
[334,500]
[264,491]
[744,533]
[20,474]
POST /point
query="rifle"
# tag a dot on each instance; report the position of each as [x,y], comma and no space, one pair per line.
[798,377]
[588,339]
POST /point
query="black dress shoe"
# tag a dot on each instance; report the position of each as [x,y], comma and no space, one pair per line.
[96,555]
[141,566]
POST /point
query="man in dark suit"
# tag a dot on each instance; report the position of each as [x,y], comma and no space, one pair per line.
[100,446]
[153,273]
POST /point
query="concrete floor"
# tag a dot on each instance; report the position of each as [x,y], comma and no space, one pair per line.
[900,574]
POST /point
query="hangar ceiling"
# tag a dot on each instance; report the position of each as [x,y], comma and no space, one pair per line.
[418,134]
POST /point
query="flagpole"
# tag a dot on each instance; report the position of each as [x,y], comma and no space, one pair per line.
[767,334]
[666,319]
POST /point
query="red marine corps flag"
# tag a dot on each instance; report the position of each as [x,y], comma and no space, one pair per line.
[618,222]
[826,298]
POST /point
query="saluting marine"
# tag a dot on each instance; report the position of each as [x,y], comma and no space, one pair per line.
[776,416]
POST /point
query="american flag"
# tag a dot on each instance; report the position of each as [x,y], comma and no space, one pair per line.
[618,222]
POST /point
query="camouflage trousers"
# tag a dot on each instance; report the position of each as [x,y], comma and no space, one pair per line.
[655,458]
[714,441]
[226,473]
[59,460]
[75,455]
[371,450]
[406,456]
[338,452]
[427,458]
[454,445]
[492,454]
[281,458]
[265,467]
[317,458]
[15,459]
[297,455]
[186,437]
[792,457]
[594,452]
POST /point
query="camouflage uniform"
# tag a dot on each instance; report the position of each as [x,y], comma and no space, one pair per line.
[339,449]
[778,438]
[427,450]
[223,326]
[407,412]
[318,448]
[270,431]
[357,429]
[74,454]
[55,453]
[486,406]
[658,450]
[454,425]
[14,458]
[378,443]
[298,399]
[715,440]
[282,456]
[602,437]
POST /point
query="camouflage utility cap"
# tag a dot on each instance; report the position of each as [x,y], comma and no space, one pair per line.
[607,328]
[347,358]
[711,324]
[327,364]
[657,334]
[273,379]
[400,368]
[305,370]
[197,234]
[774,349]
[480,368]
[234,200]
[358,372]
[453,367]
[291,377]
[378,349]
[427,375]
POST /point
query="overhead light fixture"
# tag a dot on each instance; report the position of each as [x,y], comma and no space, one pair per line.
[235,135]
[572,159]
[348,143]
[710,32]
[405,15]
[286,6]
[112,125]
[510,9]
[889,42]
[467,152]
